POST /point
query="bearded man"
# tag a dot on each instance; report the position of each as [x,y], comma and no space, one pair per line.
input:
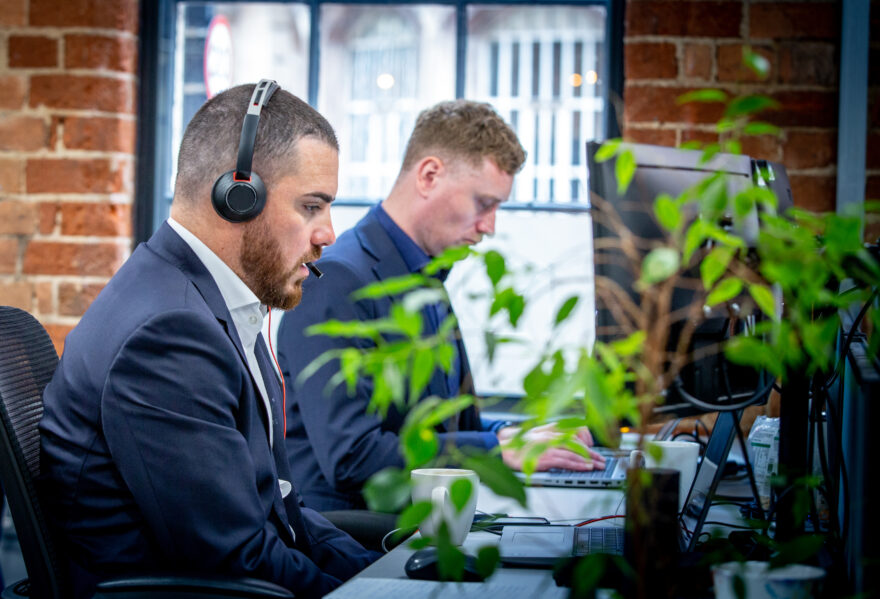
[162,435]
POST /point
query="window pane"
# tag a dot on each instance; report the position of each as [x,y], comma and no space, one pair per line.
[380,66]
[248,42]
[549,73]
[548,86]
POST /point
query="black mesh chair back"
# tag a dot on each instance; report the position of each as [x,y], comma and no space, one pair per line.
[27,361]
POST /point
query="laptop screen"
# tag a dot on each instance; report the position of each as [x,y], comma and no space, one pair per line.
[706,481]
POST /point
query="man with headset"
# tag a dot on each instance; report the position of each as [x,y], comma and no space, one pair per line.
[162,434]
[457,169]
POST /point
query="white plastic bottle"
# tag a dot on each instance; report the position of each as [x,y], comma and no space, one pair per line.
[763,445]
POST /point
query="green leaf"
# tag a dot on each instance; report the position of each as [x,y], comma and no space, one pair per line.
[488,558]
[715,264]
[388,490]
[444,353]
[417,299]
[702,95]
[713,196]
[624,170]
[798,550]
[392,286]
[459,493]
[659,265]
[495,266]
[607,150]
[515,308]
[450,559]
[422,369]
[420,445]
[413,516]
[497,476]
[668,212]
[565,310]
[693,144]
[694,237]
[726,290]
[447,259]
[759,65]
[349,329]
[409,323]
[763,297]
[750,104]
[761,128]
[750,351]
[631,345]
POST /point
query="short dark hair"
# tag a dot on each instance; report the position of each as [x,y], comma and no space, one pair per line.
[464,130]
[210,143]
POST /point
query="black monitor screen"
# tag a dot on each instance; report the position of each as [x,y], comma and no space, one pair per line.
[662,170]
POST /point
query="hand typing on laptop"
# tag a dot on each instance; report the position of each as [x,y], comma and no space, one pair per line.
[554,457]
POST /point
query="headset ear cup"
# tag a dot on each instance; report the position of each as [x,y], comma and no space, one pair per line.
[238,201]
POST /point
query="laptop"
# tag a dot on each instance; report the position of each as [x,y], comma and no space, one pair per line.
[612,477]
[546,545]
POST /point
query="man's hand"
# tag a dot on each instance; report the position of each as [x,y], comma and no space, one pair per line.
[555,457]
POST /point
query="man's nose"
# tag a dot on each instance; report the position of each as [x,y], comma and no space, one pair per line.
[486,222]
[324,235]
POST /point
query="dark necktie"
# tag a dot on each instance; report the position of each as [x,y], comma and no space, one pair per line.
[282,467]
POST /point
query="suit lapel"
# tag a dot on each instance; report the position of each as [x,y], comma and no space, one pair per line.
[171,247]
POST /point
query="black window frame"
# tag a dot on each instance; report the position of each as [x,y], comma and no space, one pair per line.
[156,58]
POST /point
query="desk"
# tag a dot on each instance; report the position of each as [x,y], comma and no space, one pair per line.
[556,504]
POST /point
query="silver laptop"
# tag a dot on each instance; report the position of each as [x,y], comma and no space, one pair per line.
[612,477]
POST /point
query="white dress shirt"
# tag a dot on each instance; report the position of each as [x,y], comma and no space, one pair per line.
[245,308]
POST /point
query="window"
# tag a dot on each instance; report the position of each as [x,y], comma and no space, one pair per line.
[549,69]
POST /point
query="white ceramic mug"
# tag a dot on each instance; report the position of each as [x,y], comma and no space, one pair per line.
[678,455]
[433,484]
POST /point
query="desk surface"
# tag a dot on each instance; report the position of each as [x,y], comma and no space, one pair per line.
[386,577]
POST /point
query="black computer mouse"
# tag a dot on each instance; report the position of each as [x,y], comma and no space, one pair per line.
[422,565]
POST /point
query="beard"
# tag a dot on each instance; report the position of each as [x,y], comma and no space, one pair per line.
[262,263]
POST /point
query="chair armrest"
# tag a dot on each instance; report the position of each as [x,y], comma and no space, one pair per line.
[195,587]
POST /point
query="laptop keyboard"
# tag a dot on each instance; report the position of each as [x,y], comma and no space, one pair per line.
[610,463]
[601,539]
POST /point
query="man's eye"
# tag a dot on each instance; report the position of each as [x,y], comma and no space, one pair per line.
[313,207]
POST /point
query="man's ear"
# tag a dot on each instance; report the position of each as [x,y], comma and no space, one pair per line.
[428,172]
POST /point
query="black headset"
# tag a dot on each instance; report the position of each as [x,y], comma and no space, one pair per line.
[240,195]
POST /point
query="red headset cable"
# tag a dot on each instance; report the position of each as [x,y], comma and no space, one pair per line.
[281,374]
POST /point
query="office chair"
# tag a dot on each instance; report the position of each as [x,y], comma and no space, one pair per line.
[27,361]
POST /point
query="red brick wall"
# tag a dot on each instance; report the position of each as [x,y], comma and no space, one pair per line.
[671,47]
[68,74]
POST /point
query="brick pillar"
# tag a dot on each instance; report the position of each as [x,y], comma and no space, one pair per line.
[671,47]
[68,75]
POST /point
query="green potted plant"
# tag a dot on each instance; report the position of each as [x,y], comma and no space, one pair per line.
[800,257]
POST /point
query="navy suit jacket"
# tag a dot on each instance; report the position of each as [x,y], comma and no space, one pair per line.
[334,446]
[155,451]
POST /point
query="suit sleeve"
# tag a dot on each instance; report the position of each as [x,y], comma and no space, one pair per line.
[349,444]
[169,410]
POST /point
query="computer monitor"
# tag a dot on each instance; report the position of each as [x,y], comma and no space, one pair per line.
[662,170]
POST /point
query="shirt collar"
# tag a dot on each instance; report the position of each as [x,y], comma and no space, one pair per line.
[234,291]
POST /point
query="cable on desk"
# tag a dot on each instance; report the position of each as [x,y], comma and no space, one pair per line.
[739,526]
[585,522]
[388,534]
